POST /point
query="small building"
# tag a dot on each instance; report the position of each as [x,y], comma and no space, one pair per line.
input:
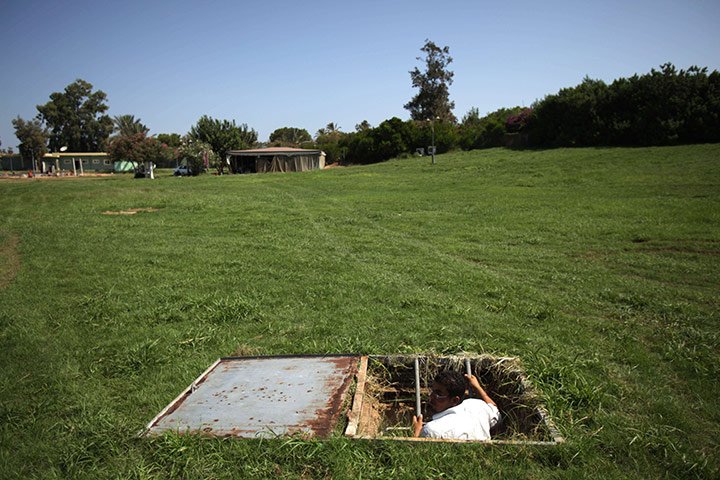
[76,162]
[274,159]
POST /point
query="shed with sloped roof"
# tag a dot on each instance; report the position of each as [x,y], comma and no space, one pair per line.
[274,159]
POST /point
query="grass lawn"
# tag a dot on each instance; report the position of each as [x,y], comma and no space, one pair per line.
[598,268]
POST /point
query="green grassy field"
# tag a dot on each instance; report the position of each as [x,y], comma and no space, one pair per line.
[598,268]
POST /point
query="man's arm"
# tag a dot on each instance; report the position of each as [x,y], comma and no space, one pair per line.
[478,390]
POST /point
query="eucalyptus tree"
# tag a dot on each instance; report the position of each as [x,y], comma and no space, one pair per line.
[433,99]
[75,118]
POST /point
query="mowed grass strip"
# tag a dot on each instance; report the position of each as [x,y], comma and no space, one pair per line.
[598,268]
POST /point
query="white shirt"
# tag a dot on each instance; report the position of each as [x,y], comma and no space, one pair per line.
[471,420]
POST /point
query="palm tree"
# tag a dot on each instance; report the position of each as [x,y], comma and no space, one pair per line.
[126,125]
[298,136]
[362,126]
[331,130]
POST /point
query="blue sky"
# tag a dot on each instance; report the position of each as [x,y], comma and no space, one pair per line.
[273,64]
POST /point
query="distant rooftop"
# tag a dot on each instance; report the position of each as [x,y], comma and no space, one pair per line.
[274,151]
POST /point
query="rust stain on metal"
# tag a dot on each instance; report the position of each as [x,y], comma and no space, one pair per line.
[321,426]
[263,396]
[303,396]
[175,405]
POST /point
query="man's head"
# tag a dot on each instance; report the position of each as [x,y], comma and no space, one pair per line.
[448,390]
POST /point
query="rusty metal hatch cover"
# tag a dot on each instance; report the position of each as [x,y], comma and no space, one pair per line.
[250,397]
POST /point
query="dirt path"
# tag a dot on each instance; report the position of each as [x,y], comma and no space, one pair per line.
[132,211]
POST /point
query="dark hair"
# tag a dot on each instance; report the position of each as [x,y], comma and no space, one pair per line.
[453,381]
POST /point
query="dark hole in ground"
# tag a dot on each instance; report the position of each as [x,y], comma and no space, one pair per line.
[389,396]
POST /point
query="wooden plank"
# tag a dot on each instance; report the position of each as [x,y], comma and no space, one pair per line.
[354,415]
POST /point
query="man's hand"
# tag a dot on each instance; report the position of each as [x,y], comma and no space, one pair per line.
[473,382]
[478,390]
[417,425]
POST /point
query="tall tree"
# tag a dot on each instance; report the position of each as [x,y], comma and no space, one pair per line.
[362,126]
[433,99]
[223,135]
[75,118]
[289,136]
[33,138]
[173,140]
[127,125]
[331,133]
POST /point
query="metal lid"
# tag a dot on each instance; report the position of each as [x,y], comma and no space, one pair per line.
[251,397]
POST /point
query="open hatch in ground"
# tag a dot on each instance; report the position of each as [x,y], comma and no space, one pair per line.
[362,397]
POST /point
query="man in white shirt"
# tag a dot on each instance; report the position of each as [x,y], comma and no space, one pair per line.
[456,417]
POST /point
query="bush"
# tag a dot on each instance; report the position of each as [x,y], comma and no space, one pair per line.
[490,130]
[470,137]
[383,142]
[516,123]
[447,137]
[492,134]
[394,137]
[139,148]
[193,154]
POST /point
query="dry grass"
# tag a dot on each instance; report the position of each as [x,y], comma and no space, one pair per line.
[390,394]
[132,211]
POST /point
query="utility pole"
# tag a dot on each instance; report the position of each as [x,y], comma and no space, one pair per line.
[432,129]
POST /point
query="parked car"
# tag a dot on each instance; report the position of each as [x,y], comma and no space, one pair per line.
[182,170]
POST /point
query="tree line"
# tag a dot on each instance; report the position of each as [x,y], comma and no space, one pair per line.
[75,120]
[664,107]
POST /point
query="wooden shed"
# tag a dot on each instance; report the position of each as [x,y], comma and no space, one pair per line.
[274,159]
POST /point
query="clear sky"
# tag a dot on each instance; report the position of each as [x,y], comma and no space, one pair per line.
[273,64]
